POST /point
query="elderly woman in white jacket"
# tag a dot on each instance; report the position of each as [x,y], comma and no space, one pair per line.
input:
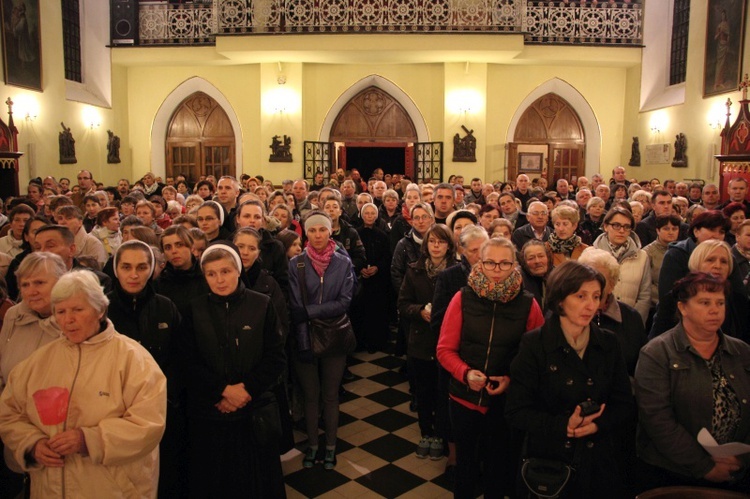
[634,285]
[88,424]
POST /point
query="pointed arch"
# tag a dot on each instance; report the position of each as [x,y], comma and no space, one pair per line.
[591,130]
[387,86]
[163,117]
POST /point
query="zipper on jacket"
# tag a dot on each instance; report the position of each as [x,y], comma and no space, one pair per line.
[489,347]
[135,303]
[70,396]
[321,290]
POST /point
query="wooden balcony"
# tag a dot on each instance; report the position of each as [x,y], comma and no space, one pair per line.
[582,22]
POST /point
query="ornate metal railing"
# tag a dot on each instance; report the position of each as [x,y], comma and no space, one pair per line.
[557,22]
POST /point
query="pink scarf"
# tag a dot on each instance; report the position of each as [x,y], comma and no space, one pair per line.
[321,259]
[405,213]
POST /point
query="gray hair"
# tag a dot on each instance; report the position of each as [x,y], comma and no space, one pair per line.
[80,282]
[390,193]
[599,258]
[422,206]
[34,262]
[593,201]
[472,233]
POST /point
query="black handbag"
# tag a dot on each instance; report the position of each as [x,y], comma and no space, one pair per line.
[546,478]
[329,337]
[264,415]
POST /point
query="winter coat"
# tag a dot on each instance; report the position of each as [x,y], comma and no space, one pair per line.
[259,280]
[449,282]
[181,286]
[623,321]
[646,230]
[634,284]
[328,296]
[525,233]
[548,380]
[273,259]
[349,239]
[118,398]
[234,339]
[407,251]
[673,387]
[416,292]
[153,321]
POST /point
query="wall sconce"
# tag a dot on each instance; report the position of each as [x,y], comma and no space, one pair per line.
[464,101]
[658,122]
[716,116]
[91,118]
[27,107]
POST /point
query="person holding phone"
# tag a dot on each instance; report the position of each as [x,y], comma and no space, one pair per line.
[571,392]
[481,331]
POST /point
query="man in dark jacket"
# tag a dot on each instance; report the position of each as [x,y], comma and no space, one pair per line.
[646,228]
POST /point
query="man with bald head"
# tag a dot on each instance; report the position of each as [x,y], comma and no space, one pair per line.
[618,174]
[522,191]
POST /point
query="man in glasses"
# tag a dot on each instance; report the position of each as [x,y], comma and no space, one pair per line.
[86,186]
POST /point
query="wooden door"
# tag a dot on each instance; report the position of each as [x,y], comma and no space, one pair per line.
[200,139]
[566,161]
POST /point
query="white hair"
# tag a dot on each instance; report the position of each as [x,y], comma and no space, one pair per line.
[80,282]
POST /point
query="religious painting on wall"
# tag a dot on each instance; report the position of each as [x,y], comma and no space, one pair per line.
[725,25]
[530,162]
[22,47]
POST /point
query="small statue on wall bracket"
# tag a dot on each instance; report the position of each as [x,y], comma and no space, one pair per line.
[113,147]
[635,153]
[680,146]
[280,151]
[67,146]
[464,148]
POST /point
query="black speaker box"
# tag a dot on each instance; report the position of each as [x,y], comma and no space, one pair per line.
[123,16]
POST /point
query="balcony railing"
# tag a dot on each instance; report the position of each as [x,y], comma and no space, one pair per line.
[557,22]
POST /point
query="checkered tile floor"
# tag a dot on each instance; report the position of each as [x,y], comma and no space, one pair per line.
[377,439]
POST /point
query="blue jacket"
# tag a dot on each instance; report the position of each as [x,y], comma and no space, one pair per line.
[328,296]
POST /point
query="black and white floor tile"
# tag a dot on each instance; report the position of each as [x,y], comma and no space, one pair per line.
[377,439]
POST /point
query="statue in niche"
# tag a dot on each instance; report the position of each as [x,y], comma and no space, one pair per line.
[113,147]
[464,148]
[680,146]
[67,146]
[281,151]
[635,153]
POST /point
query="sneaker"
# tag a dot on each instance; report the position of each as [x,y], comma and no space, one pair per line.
[329,462]
[436,449]
[423,449]
[309,460]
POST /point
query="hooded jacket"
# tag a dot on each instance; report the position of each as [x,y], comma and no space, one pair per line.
[118,398]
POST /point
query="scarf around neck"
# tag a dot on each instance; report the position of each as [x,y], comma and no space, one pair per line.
[321,259]
[432,269]
[564,246]
[405,213]
[485,287]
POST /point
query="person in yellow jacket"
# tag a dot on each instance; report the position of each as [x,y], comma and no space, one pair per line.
[84,414]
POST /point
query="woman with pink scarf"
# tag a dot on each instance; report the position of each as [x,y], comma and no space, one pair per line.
[322,283]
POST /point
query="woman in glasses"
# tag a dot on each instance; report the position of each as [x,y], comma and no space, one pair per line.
[481,331]
[634,285]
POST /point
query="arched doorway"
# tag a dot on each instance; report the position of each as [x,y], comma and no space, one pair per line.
[200,139]
[549,141]
[375,124]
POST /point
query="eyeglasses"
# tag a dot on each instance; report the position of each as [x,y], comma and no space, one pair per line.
[490,265]
[439,242]
[422,218]
[538,213]
[618,227]
[83,178]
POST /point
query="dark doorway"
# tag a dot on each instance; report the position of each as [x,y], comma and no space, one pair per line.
[366,159]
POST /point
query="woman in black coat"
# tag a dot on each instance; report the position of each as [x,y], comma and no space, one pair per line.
[563,364]
[153,320]
[182,279]
[252,213]
[415,303]
[370,310]
[236,356]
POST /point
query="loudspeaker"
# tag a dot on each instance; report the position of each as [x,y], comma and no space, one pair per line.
[123,16]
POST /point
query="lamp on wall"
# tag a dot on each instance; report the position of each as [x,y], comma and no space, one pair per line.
[91,118]
[27,107]
[464,101]
[716,116]
[658,122]
[281,99]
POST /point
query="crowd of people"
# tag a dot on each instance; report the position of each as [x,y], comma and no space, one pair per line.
[165,337]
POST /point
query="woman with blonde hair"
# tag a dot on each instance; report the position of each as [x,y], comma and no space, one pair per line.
[564,243]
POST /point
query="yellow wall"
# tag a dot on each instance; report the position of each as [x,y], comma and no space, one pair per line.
[39,138]
[690,118]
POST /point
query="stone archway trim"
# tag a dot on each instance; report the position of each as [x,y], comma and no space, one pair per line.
[591,130]
[168,107]
[387,86]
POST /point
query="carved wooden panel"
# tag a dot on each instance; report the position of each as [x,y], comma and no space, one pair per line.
[549,118]
[373,114]
[200,139]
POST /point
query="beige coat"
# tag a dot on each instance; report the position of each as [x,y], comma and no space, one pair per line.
[118,398]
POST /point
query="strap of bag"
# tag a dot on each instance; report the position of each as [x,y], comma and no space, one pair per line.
[301,275]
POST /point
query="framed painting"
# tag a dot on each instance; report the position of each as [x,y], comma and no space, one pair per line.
[530,162]
[725,32]
[22,45]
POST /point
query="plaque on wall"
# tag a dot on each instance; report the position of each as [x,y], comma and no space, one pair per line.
[657,154]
